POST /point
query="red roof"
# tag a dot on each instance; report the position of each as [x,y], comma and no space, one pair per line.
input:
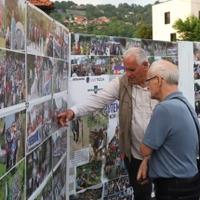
[42,3]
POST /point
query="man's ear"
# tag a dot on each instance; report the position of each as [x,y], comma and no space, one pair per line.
[160,81]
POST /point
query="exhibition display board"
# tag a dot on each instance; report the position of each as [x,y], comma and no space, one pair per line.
[44,70]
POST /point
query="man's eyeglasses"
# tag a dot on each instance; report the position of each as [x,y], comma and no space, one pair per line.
[147,80]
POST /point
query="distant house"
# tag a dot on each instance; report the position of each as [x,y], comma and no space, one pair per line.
[166,13]
[43,4]
[80,20]
[100,20]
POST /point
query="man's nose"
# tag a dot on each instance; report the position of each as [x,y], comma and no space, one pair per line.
[129,74]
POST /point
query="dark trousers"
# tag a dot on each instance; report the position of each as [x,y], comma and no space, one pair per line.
[176,189]
[141,192]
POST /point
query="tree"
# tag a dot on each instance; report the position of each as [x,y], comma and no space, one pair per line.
[143,31]
[188,29]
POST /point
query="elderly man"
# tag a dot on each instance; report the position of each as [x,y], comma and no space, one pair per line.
[170,144]
[135,107]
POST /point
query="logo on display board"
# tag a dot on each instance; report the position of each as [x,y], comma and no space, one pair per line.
[78,79]
[95,89]
[94,79]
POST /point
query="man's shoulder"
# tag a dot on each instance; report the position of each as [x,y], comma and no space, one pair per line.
[168,106]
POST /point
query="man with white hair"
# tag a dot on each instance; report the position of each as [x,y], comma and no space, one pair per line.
[170,144]
[135,108]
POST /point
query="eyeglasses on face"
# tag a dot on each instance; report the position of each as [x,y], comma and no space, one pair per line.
[151,78]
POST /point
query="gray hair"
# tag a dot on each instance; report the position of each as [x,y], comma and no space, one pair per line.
[167,70]
[138,53]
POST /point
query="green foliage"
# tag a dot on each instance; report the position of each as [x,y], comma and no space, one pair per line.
[64,4]
[189,29]
[92,12]
[126,20]
[143,31]
[116,28]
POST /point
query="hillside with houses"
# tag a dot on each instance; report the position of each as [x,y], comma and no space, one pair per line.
[123,20]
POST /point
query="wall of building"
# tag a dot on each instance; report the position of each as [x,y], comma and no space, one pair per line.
[178,9]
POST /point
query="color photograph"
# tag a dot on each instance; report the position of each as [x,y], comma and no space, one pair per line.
[59,181]
[90,65]
[39,76]
[40,32]
[12,140]
[12,78]
[12,185]
[12,28]
[59,145]
[60,75]
[38,166]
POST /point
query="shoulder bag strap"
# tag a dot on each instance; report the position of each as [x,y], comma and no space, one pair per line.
[196,124]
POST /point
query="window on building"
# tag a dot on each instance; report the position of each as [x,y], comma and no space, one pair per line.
[167,17]
[173,36]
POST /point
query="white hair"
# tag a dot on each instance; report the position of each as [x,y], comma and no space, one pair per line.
[138,53]
[167,70]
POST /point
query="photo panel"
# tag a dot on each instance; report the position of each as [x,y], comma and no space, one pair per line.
[133,42]
[114,164]
[71,178]
[60,104]
[3,25]
[60,41]
[116,45]
[39,76]
[60,75]
[117,65]
[40,32]
[12,185]
[39,123]
[93,193]
[12,140]
[197,96]
[12,28]
[172,49]
[80,44]
[196,51]
[66,43]
[196,70]
[12,78]
[98,125]
[118,189]
[100,45]
[59,145]
[148,46]
[38,166]
[46,193]
[90,65]
[59,181]
[160,48]
[47,118]
[88,175]
[79,133]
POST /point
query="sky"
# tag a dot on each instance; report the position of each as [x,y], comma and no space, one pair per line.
[113,2]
